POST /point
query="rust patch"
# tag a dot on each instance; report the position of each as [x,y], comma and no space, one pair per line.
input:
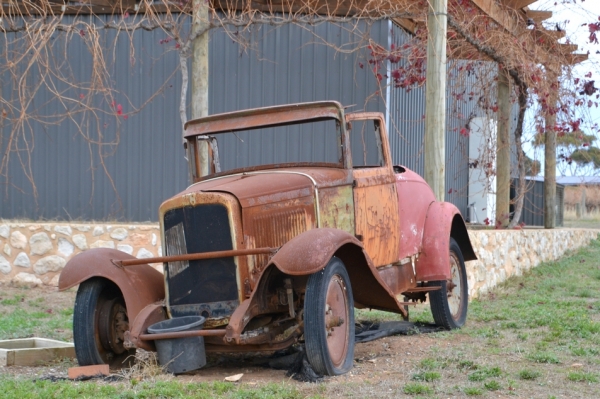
[337,204]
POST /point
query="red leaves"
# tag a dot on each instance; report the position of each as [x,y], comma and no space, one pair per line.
[588,88]
[118,109]
[594,27]
[575,124]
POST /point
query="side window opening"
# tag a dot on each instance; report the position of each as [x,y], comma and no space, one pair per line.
[365,143]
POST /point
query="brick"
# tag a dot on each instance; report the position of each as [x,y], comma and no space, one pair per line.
[88,371]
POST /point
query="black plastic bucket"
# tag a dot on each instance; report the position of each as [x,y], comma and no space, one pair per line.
[180,354]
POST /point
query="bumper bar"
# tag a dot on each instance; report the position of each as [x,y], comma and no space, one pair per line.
[198,256]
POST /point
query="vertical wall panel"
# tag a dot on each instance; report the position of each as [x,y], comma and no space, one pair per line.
[73,181]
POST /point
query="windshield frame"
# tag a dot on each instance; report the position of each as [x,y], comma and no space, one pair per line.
[196,131]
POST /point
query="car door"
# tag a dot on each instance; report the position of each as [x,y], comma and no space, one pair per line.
[375,197]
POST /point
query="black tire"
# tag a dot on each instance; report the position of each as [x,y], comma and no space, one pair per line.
[449,304]
[329,299]
[99,321]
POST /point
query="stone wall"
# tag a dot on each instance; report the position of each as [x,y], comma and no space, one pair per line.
[506,253]
[35,253]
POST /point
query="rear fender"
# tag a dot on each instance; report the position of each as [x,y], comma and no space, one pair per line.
[442,222]
[141,285]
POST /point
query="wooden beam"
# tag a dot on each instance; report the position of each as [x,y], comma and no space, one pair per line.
[408,24]
[538,16]
[567,48]
[500,16]
[518,4]
[550,35]
[57,9]
[573,59]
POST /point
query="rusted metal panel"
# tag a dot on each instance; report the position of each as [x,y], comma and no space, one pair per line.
[336,208]
[254,189]
[151,314]
[141,285]
[399,278]
[310,251]
[376,218]
[414,197]
[434,262]
[263,117]
[274,225]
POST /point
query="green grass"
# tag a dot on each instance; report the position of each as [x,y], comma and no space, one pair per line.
[485,373]
[18,323]
[13,301]
[492,385]
[528,374]
[25,389]
[415,388]
[473,391]
[580,376]
[428,376]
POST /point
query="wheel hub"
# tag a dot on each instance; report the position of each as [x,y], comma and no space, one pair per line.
[335,317]
[453,287]
[113,323]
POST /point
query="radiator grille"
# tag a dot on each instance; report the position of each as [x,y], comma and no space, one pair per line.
[200,287]
[275,229]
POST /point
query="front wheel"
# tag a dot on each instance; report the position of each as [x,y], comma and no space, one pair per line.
[99,324]
[449,303]
[329,320]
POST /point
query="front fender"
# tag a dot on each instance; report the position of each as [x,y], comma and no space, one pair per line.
[433,261]
[141,285]
[310,251]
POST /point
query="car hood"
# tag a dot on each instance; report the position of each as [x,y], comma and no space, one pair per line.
[265,187]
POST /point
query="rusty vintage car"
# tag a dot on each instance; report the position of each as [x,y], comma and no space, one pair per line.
[295,216]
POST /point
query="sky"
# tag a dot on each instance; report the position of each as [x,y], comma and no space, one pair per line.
[571,17]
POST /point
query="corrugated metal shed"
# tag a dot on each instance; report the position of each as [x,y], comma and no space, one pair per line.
[533,203]
[281,65]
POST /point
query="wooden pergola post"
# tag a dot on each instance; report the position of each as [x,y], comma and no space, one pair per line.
[435,98]
[503,150]
[550,156]
[200,75]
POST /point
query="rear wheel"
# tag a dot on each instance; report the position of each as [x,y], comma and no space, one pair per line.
[99,324]
[329,320]
[449,303]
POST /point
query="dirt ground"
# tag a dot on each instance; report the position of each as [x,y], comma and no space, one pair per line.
[382,368]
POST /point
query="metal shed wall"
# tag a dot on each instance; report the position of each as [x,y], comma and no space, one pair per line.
[533,203]
[146,166]
[280,65]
